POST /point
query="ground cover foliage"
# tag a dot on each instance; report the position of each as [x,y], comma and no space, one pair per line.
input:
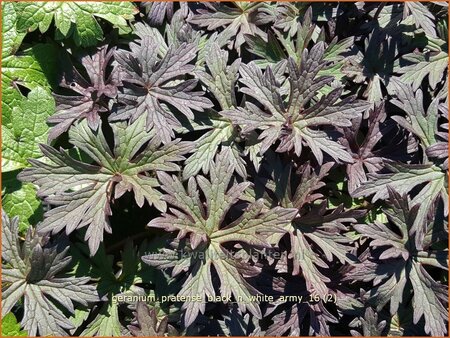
[224,168]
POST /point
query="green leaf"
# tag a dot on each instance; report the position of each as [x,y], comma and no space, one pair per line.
[11,37]
[34,67]
[423,124]
[10,327]
[240,18]
[77,19]
[19,199]
[106,323]
[28,129]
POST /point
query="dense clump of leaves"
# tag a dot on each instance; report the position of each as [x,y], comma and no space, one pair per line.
[114,173]
[94,96]
[233,168]
[30,271]
[402,263]
[207,235]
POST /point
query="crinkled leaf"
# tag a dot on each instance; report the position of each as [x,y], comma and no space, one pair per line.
[28,129]
[19,199]
[74,19]
[11,37]
[10,327]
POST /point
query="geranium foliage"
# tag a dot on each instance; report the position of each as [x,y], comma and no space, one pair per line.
[224,168]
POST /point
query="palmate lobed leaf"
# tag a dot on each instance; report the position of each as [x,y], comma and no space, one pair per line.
[208,231]
[239,18]
[294,122]
[433,67]
[281,46]
[220,80]
[370,324]
[366,158]
[158,11]
[433,183]
[373,64]
[421,123]
[31,271]
[83,192]
[149,82]
[400,267]
[94,95]
[401,61]
[296,318]
[423,18]
[314,226]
